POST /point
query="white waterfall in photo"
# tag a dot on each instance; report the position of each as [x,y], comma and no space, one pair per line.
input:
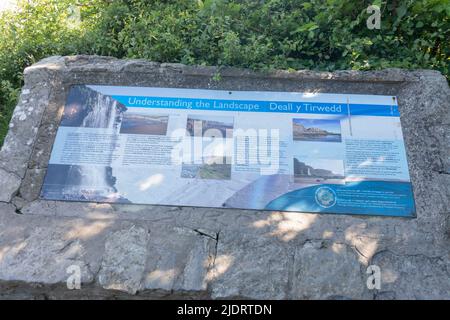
[89,181]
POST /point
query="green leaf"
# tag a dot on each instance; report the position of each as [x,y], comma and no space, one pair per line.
[306,27]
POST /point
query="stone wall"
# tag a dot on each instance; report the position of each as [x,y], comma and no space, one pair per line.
[143,251]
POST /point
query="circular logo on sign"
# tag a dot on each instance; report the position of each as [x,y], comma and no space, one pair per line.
[325,197]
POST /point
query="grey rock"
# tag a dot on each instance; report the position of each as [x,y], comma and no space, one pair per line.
[178,259]
[6,210]
[38,208]
[31,184]
[40,253]
[255,267]
[414,276]
[23,128]
[124,260]
[325,271]
[442,134]
[18,202]
[9,185]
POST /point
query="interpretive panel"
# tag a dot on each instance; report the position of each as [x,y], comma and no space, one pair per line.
[286,151]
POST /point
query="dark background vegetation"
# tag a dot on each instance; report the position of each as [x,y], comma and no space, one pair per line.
[257,34]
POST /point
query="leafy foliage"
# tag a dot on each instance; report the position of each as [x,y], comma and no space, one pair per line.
[258,34]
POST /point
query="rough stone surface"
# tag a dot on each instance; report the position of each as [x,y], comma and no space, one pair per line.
[9,185]
[124,262]
[414,276]
[179,260]
[113,254]
[327,260]
[144,251]
[39,254]
[251,267]
[31,181]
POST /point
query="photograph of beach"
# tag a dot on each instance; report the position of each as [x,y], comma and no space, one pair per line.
[134,122]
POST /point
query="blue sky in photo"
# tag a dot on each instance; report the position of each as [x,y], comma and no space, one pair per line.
[318,150]
[335,166]
[329,125]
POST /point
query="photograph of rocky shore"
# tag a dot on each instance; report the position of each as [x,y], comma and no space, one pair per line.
[319,170]
[198,125]
[328,130]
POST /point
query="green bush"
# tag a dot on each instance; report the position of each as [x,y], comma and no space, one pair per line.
[8,96]
[33,31]
[258,34]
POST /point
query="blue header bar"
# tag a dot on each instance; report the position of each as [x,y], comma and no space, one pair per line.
[257,106]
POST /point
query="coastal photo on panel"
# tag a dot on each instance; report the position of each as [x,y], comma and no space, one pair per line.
[314,170]
[142,122]
[209,125]
[325,130]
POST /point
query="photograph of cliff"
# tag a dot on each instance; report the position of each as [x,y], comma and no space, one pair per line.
[324,130]
[212,126]
[319,170]
[88,108]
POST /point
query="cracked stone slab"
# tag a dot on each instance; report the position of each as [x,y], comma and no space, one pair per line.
[39,252]
[116,255]
[250,266]
[124,260]
[23,129]
[325,270]
[9,185]
[32,183]
[413,276]
[179,261]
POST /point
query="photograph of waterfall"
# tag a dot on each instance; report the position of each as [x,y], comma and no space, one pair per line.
[81,183]
[88,108]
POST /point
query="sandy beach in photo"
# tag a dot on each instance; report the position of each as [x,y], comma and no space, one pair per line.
[139,123]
